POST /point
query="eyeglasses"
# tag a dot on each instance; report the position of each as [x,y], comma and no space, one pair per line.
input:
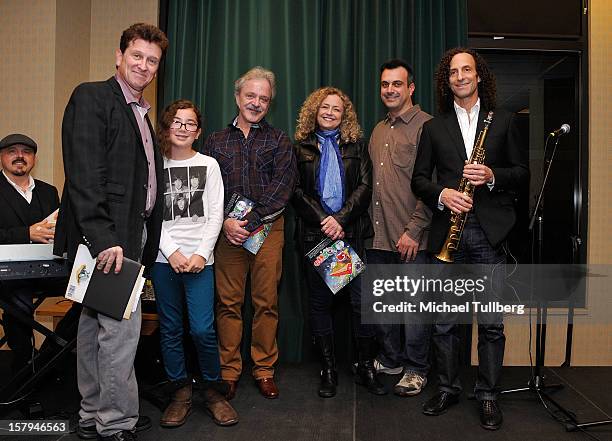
[189,126]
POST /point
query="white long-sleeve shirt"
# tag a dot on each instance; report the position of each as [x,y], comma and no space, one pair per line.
[193,207]
[467,125]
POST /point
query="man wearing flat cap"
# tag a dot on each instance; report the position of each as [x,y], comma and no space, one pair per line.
[27,206]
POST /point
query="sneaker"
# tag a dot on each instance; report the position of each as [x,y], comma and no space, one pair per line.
[410,384]
[382,369]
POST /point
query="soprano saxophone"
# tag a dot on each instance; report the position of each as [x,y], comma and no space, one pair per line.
[457,221]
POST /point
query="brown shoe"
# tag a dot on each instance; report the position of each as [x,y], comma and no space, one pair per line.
[179,408]
[231,389]
[267,387]
[219,409]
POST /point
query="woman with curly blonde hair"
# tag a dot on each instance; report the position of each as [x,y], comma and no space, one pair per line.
[350,131]
[331,201]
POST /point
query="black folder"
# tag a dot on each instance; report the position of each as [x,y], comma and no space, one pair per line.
[110,293]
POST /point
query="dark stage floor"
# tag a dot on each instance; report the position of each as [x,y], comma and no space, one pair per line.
[354,414]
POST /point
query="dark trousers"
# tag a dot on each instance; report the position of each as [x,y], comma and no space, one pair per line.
[321,302]
[404,345]
[19,335]
[473,248]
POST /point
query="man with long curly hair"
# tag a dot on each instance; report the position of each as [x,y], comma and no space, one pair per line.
[466,93]
[400,219]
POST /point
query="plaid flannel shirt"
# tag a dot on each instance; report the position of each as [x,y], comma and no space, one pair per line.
[261,167]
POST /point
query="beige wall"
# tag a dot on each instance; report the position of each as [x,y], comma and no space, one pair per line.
[72,59]
[592,339]
[600,133]
[27,75]
[48,47]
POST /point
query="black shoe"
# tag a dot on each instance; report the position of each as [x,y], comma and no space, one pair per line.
[89,432]
[366,376]
[143,423]
[366,372]
[439,403]
[124,435]
[329,381]
[490,415]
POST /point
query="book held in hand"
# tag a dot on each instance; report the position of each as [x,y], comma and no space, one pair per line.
[336,262]
[114,295]
[238,207]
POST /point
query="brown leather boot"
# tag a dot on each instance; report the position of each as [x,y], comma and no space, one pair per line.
[179,408]
[219,408]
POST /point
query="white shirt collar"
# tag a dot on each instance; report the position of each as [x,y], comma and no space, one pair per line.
[467,124]
[475,109]
[27,193]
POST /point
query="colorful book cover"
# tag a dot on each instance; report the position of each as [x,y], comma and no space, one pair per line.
[336,262]
[256,239]
[238,207]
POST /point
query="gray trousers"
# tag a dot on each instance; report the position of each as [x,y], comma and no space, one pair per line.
[106,349]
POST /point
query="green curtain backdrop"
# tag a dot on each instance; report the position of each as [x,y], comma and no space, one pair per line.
[307,44]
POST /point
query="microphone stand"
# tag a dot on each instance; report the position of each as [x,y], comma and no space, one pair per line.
[569,333]
[536,383]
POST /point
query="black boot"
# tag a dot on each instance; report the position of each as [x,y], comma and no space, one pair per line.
[366,373]
[329,376]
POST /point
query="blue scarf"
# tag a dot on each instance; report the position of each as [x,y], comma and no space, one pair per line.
[330,182]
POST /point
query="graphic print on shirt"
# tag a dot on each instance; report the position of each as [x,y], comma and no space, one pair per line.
[183,195]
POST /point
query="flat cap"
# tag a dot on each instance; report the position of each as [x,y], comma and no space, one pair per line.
[18,138]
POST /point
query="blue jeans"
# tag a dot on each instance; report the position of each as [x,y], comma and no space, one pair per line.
[413,352]
[196,291]
[473,248]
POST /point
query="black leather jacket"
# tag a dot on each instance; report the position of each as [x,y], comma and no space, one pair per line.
[353,216]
